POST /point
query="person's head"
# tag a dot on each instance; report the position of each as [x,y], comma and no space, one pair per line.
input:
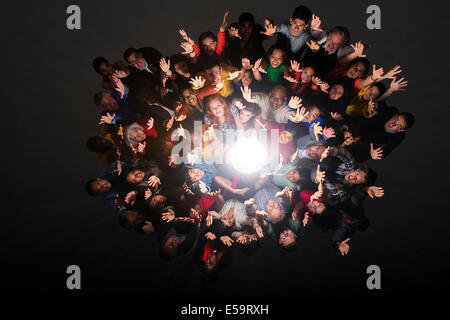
[246,25]
[277,97]
[375,91]
[365,176]
[358,68]
[97,186]
[106,101]
[315,207]
[130,219]
[228,218]
[307,74]
[315,151]
[134,134]
[400,122]
[247,78]
[134,58]
[288,239]
[135,176]
[286,136]
[121,69]
[337,38]
[99,144]
[213,71]
[313,113]
[102,66]
[157,202]
[293,176]
[188,96]
[208,42]
[248,112]
[336,92]
[300,20]
[276,56]
[217,109]
[169,247]
[145,95]
[274,211]
[180,65]
[194,175]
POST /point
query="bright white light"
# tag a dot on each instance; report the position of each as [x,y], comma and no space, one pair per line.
[247,155]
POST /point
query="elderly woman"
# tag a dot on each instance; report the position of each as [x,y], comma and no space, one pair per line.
[139,135]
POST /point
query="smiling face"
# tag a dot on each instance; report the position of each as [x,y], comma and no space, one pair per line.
[195,174]
[245,115]
[315,152]
[100,186]
[297,26]
[287,237]
[209,46]
[307,74]
[136,60]
[109,103]
[334,42]
[273,210]
[293,176]
[285,137]
[228,218]
[189,96]
[135,176]
[397,123]
[247,79]
[336,92]
[245,29]
[371,93]
[356,71]
[106,69]
[276,58]
[313,114]
[213,75]
[356,177]
[137,135]
[216,107]
[182,68]
[277,97]
[315,207]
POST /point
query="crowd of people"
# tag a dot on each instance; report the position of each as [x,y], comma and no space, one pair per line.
[315,88]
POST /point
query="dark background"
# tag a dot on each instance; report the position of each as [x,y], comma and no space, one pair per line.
[50,223]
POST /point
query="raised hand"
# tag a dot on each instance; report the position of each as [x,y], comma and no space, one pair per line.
[318,194]
[398,85]
[148,228]
[258,66]
[187,190]
[130,198]
[315,23]
[282,194]
[371,107]
[329,132]
[185,37]
[306,219]
[168,216]
[150,123]
[165,91]
[107,119]
[247,94]
[336,116]
[291,79]
[344,247]
[148,193]
[219,85]
[242,239]
[317,129]
[202,187]
[359,48]
[324,87]
[239,104]
[234,32]
[258,230]
[141,147]
[246,64]
[295,102]
[119,168]
[169,123]
[164,65]
[294,156]
[187,47]
[197,82]
[320,175]
[233,75]
[376,154]
[215,193]
[313,45]
[154,182]
[226,240]
[325,154]
[209,220]
[260,213]
[224,24]
[377,74]
[392,72]
[119,86]
[375,192]
[299,116]
[316,81]
[270,30]
[295,66]
[210,236]
[250,202]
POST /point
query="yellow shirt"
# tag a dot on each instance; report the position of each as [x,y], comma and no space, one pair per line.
[228,85]
[358,106]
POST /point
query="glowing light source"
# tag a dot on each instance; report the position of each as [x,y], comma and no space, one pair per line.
[247,155]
